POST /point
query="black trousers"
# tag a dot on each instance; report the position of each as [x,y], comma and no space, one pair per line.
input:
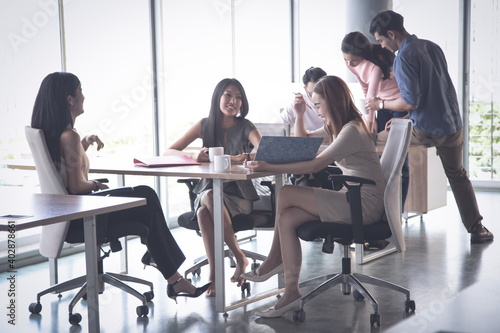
[160,242]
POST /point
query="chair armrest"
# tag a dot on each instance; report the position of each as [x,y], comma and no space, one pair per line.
[115,191]
[323,177]
[190,183]
[319,179]
[345,178]
[101,180]
[270,184]
[354,199]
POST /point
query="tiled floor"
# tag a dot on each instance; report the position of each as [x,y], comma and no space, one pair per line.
[438,264]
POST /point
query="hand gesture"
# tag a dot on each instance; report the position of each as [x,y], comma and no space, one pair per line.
[372,104]
[299,104]
[90,140]
[202,155]
[256,165]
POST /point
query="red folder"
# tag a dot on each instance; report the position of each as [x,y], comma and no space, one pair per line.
[164,161]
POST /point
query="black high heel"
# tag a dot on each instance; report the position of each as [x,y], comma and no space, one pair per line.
[146,260]
[173,295]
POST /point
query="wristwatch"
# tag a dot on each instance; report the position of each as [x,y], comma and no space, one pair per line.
[381,104]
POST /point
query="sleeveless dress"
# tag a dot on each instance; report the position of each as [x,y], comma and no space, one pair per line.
[238,195]
[354,152]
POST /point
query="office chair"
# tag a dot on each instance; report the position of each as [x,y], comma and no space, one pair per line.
[261,217]
[346,234]
[53,236]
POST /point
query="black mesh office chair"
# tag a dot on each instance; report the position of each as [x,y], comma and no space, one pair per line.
[389,228]
[53,236]
[261,218]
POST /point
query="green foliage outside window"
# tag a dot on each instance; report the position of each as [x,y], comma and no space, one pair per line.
[484,140]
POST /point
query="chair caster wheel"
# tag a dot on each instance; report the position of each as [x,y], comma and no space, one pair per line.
[75,318]
[299,315]
[35,308]
[142,310]
[409,306]
[245,286]
[375,319]
[225,315]
[357,295]
[149,295]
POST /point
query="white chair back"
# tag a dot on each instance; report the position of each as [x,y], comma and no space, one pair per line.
[273,129]
[392,161]
[53,236]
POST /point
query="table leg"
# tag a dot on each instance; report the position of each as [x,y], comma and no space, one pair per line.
[89,225]
[278,184]
[220,296]
[124,252]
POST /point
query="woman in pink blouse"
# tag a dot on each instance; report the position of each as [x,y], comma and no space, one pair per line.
[372,66]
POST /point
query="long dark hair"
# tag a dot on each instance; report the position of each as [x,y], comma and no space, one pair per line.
[356,43]
[341,106]
[51,112]
[215,135]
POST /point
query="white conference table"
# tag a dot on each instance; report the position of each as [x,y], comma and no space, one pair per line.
[19,212]
[123,167]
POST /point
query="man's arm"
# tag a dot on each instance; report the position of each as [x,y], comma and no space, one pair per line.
[394,105]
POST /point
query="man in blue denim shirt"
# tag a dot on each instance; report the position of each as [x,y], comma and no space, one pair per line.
[428,95]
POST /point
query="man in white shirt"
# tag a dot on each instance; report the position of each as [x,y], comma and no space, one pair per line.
[311,119]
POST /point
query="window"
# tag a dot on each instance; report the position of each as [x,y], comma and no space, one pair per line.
[203,42]
[29,51]
[109,50]
[484,95]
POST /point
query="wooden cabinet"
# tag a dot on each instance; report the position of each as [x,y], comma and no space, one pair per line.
[427,190]
[428,183]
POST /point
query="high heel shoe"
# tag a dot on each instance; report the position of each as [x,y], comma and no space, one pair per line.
[146,260]
[173,295]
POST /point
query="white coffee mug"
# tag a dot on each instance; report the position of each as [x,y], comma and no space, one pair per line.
[222,163]
[215,151]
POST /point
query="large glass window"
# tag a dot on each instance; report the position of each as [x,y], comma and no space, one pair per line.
[194,54]
[203,42]
[445,13]
[108,48]
[484,95]
[29,49]
[262,59]
[320,34]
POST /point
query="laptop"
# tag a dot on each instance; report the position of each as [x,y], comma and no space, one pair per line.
[287,149]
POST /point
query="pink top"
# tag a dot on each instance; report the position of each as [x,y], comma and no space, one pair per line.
[369,76]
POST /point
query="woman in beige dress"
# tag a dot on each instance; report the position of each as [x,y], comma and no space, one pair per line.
[351,148]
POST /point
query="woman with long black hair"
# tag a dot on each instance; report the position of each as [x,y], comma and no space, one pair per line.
[58,103]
